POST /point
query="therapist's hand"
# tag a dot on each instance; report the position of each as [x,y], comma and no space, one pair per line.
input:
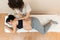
[27,18]
[23,18]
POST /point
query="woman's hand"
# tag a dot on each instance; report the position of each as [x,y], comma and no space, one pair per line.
[10,29]
[14,24]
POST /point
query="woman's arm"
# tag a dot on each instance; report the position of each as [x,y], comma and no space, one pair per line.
[14,24]
[12,30]
[9,28]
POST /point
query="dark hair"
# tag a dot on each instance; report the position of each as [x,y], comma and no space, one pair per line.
[16,4]
[10,17]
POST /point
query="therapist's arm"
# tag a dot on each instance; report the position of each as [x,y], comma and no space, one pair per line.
[20,15]
[27,15]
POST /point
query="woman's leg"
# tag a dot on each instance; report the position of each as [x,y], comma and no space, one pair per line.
[38,26]
[35,23]
[48,25]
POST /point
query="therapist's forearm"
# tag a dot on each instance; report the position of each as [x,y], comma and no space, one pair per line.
[19,14]
[24,17]
[27,16]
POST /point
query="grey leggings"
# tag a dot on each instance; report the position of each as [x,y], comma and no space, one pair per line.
[37,25]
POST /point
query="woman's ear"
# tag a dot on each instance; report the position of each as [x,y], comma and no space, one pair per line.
[10,22]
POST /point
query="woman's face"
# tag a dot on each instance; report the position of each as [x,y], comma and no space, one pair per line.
[13,22]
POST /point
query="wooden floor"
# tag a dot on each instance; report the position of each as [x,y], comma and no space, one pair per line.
[25,36]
